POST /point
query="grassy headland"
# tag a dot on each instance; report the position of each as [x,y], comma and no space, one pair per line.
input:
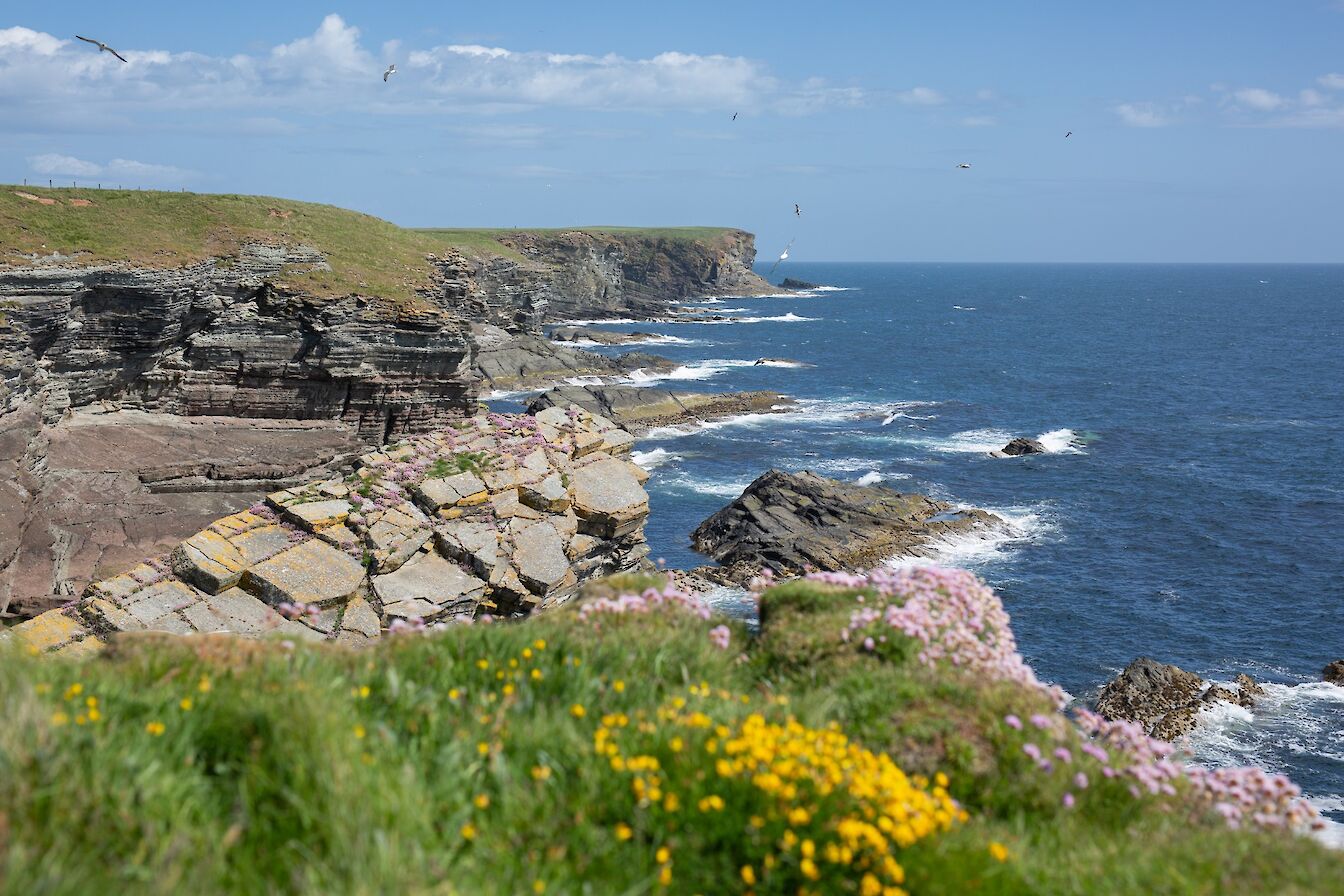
[587,751]
[156,229]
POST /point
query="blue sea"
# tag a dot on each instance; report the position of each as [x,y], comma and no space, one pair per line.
[1191,508]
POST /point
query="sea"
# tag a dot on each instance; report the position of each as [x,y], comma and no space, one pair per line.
[1190,506]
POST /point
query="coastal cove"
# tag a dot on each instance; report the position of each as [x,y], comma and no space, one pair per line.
[1188,507]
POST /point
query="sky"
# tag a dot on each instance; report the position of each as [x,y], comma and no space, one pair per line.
[1202,130]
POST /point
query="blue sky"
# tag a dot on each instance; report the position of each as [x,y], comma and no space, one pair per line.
[1202,131]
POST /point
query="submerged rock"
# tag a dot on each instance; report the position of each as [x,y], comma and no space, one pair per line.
[637,409]
[1018,447]
[789,522]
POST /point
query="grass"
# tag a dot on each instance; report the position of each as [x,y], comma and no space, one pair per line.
[471,762]
[158,229]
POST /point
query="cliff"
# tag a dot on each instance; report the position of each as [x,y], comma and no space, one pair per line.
[222,345]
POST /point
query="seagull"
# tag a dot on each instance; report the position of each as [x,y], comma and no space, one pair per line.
[734,116]
[391,70]
[1069,134]
[783,255]
[797,211]
[964,165]
[102,47]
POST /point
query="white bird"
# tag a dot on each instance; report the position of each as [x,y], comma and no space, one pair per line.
[102,47]
[391,70]
[964,165]
[783,255]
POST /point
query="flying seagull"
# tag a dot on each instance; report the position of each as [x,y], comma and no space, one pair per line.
[391,70]
[964,165]
[797,211]
[102,47]
[783,255]
[1069,134]
[734,116]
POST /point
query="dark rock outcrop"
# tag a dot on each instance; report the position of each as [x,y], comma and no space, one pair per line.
[509,362]
[1165,699]
[1020,446]
[1334,673]
[637,409]
[601,337]
[791,283]
[788,522]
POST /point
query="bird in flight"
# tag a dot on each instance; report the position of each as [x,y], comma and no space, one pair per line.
[391,70]
[797,211]
[964,165]
[1069,134]
[102,47]
[783,255]
[734,116]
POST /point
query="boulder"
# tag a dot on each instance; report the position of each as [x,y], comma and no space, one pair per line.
[1247,690]
[1020,446]
[539,557]
[791,283]
[1334,673]
[608,498]
[788,522]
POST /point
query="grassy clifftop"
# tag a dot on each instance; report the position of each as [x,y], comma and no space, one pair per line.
[162,229]
[628,746]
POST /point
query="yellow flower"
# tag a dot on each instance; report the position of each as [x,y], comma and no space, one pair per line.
[809,869]
[91,702]
[513,663]
[482,664]
[203,685]
[468,831]
[94,714]
[508,690]
[536,675]
[757,821]
[185,703]
[42,688]
[540,643]
[453,693]
[618,686]
[998,851]
[663,855]
[624,831]
[538,886]
[748,875]
[81,719]
[363,692]
[155,728]
[482,801]
[483,748]
[577,711]
[541,772]
[665,875]
[527,653]
[870,886]
[73,691]
[359,732]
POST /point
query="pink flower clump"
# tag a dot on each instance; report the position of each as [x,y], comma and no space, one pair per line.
[720,635]
[651,599]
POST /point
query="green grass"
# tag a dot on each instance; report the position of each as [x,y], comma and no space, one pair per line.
[319,770]
[157,229]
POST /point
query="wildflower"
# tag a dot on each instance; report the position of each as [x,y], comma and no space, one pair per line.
[1013,722]
[481,801]
[624,831]
[998,851]
[618,686]
[483,748]
[541,772]
[1032,750]
[359,732]
[1040,721]
[577,711]
[527,653]
[453,693]
[74,691]
[1080,781]
[536,675]
[203,685]
[1068,801]
[94,714]
[58,719]
[468,831]
[538,886]
[508,690]
[185,703]
[809,869]
[363,692]
[748,875]
[720,636]
[663,855]
[156,729]
[665,875]
[482,665]
[540,643]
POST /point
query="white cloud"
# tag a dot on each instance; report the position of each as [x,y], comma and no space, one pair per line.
[1143,115]
[1333,81]
[1258,98]
[139,173]
[17,39]
[1309,97]
[330,51]
[55,163]
[920,96]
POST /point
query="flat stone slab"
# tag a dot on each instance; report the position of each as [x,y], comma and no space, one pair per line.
[608,499]
[548,495]
[209,561]
[430,587]
[315,515]
[51,630]
[539,557]
[313,572]
[150,605]
[360,623]
[464,489]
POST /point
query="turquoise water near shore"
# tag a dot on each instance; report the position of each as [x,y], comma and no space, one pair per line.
[1191,507]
